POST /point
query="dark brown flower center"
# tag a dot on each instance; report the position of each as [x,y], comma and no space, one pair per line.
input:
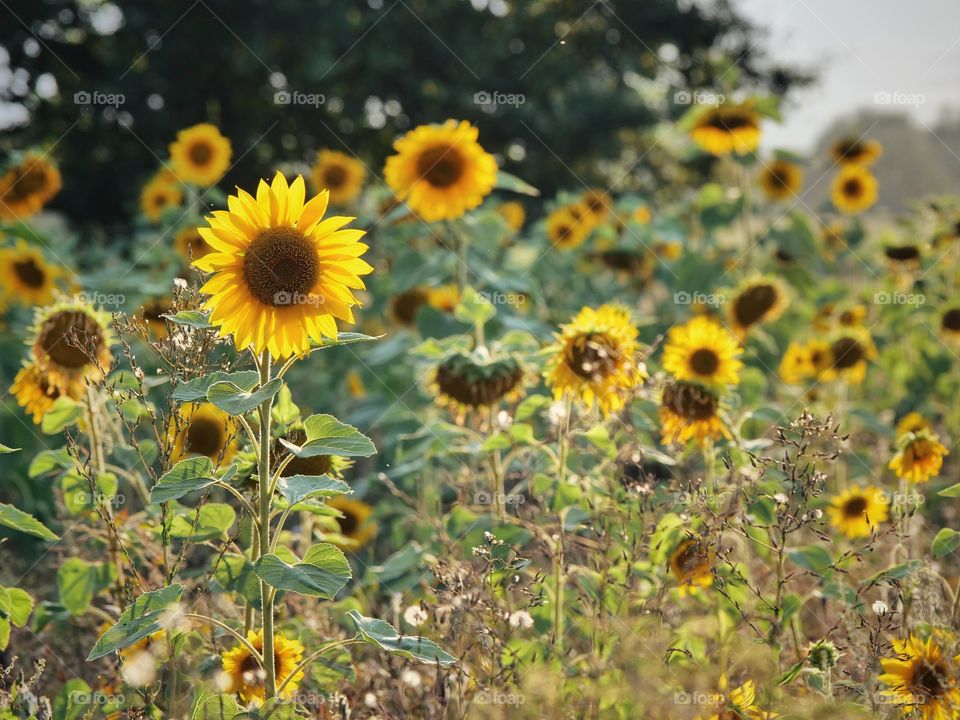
[850,150]
[852,187]
[929,679]
[200,153]
[902,253]
[349,523]
[847,352]
[592,356]
[29,272]
[406,305]
[690,558]
[780,178]
[704,361]
[335,176]
[281,267]
[855,507]
[205,436]
[441,166]
[951,320]
[66,336]
[690,402]
[754,303]
[729,120]
[29,181]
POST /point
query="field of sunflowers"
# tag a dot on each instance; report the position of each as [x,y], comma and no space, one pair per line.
[404,437]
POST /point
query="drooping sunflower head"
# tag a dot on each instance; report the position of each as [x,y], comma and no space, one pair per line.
[853,190]
[441,171]
[854,151]
[354,521]
[850,353]
[513,214]
[27,186]
[690,412]
[757,301]
[71,345]
[200,155]
[33,392]
[919,456]
[282,274]
[339,174]
[151,315]
[950,324]
[244,676]
[858,511]
[781,180]
[921,678]
[191,246]
[901,257]
[161,193]
[727,129]
[202,429]
[691,564]
[595,359]
[469,382]
[27,277]
[703,351]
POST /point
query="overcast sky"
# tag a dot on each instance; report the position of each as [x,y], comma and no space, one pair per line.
[909,49]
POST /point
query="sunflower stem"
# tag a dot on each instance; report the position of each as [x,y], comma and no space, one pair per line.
[558,582]
[265,487]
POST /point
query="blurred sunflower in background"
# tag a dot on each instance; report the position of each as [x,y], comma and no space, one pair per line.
[200,155]
[161,193]
[691,564]
[513,214]
[850,353]
[854,151]
[727,129]
[595,358]
[597,203]
[33,392]
[244,676]
[354,521]
[569,226]
[690,412]
[950,324]
[858,510]
[27,186]
[404,306]
[702,350]
[919,456]
[912,422]
[27,277]
[203,429]
[470,382]
[781,180]
[444,298]
[282,274]
[441,171]
[921,678]
[151,315]
[190,245]
[338,173]
[739,703]
[757,301]
[71,345]
[853,190]
[902,257]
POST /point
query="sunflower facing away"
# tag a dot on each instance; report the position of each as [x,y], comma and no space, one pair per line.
[71,346]
[203,429]
[757,301]
[355,523]
[27,277]
[596,358]
[190,244]
[160,194]
[282,274]
[858,510]
[441,171]
[27,186]
[690,563]
[200,155]
[853,190]
[690,412]
[245,677]
[852,151]
[33,392]
[919,456]
[469,382]
[703,351]
[922,678]
[727,129]
[338,173]
[569,226]
[781,180]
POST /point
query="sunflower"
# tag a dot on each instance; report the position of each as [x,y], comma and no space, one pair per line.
[405,305]
[597,204]
[690,412]
[444,298]
[913,422]
[71,345]
[704,351]
[569,226]
[629,263]
[338,173]
[797,363]
[33,392]
[727,129]
[27,277]
[354,521]
[513,214]
[903,257]
[641,215]
[757,301]
[190,244]
[919,456]
[853,151]
[246,678]
[922,678]
[858,510]
[151,315]
[739,703]
[27,186]
[282,274]
[159,194]
[332,465]
[690,563]
[441,171]
[781,180]
[595,358]
[852,317]
[853,189]
[950,324]
[469,382]
[849,354]
[200,155]
[202,429]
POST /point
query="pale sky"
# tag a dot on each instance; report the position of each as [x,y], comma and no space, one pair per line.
[909,49]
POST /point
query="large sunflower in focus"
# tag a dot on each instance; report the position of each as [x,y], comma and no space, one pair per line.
[27,278]
[27,186]
[282,274]
[690,412]
[853,190]
[33,392]
[203,429]
[853,151]
[922,678]
[441,171]
[727,129]
[71,346]
[339,173]
[858,510]
[200,154]
[781,180]
[245,677]
[596,358]
[703,351]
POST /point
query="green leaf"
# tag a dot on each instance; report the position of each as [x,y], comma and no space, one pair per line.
[144,617]
[299,487]
[498,441]
[64,412]
[323,572]
[77,582]
[474,308]
[522,433]
[506,181]
[813,558]
[215,707]
[235,573]
[15,605]
[18,520]
[212,522]
[4,449]
[76,491]
[49,461]
[285,412]
[945,542]
[328,436]
[345,338]
[234,400]
[952,491]
[195,319]
[185,477]
[530,406]
[196,389]
[600,438]
[384,635]
[73,700]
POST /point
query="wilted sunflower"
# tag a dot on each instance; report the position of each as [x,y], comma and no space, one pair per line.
[781,179]
[441,171]
[702,350]
[853,151]
[467,381]
[513,214]
[282,275]
[853,189]
[151,314]
[913,422]
[596,358]
[200,154]
[850,353]
[246,678]
[569,226]
[757,301]
[950,324]
[71,345]
[922,679]
[919,456]
[858,510]
[690,412]
[690,563]
[204,429]
[27,186]
[159,194]
[33,392]
[355,523]
[27,277]
[190,244]
[727,129]
[339,173]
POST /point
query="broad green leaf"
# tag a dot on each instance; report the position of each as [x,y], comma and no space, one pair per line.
[195,319]
[384,635]
[215,707]
[15,605]
[323,572]
[522,433]
[285,412]
[234,400]
[235,573]
[18,520]
[185,477]
[474,308]
[5,631]
[498,441]
[77,582]
[196,389]
[212,522]
[506,181]
[328,436]
[64,412]
[144,617]
[813,558]
[299,487]
[73,700]
[530,406]
[76,491]
[945,542]
[48,461]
